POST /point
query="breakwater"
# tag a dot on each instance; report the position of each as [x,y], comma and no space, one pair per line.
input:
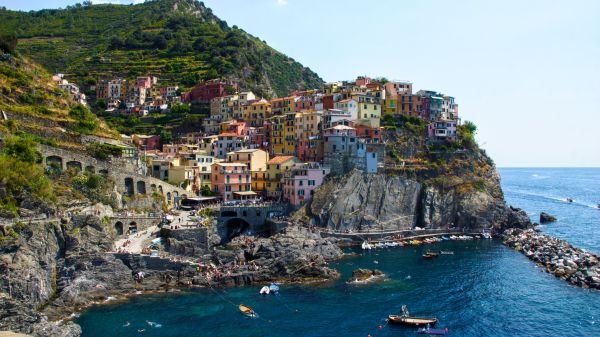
[558,257]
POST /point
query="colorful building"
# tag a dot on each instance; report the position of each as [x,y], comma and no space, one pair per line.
[276,167]
[299,183]
[229,178]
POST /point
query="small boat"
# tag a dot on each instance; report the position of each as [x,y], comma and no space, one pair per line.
[365,245]
[569,200]
[445,238]
[427,256]
[247,311]
[431,331]
[274,288]
[412,321]
[265,290]
[434,254]
[446,252]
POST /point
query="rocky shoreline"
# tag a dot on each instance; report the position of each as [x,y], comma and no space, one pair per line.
[50,271]
[557,257]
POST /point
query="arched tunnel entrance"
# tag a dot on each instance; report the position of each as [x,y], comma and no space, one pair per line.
[119,228]
[235,227]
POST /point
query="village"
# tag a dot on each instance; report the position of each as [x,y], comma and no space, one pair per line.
[279,149]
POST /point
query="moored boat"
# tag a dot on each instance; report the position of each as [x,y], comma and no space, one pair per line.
[247,311]
[365,245]
[434,254]
[265,290]
[447,252]
[406,319]
[427,256]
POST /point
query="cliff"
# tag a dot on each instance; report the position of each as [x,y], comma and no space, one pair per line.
[427,186]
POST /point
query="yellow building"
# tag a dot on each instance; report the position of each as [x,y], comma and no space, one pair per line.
[255,159]
[390,106]
[276,167]
[369,110]
[256,113]
[259,182]
[276,134]
[289,134]
[283,105]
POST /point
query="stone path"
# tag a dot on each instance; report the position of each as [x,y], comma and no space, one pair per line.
[138,240]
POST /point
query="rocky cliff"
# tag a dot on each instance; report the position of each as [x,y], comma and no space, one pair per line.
[392,201]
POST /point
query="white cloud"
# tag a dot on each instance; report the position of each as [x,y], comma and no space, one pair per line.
[282,2]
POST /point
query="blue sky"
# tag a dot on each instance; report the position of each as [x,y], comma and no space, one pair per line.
[526,72]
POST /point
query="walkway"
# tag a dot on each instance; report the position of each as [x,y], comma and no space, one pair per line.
[137,241]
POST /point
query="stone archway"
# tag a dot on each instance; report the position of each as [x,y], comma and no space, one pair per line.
[169,197]
[74,165]
[90,169]
[235,227]
[133,228]
[103,172]
[153,188]
[119,228]
[129,189]
[160,189]
[141,187]
[54,162]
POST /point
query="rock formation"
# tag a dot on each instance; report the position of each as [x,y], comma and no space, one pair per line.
[558,257]
[545,218]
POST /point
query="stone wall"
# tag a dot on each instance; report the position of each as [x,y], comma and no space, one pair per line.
[199,236]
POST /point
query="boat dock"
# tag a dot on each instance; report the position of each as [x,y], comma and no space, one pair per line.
[389,236]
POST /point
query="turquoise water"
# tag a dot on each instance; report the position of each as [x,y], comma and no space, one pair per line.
[484,289]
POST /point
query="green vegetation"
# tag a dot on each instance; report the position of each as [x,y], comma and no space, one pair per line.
[8,42]
[181,41]
[21,175]
[86,120]
[104,151]
[95,187]
[466,134]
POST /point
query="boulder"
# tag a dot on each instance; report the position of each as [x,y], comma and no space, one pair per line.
[546,218]
[360,276]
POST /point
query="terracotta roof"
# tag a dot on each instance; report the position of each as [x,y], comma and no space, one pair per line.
[280,159]
[229,134]
[345,100]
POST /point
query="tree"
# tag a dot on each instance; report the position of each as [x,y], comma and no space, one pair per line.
[8,43]
[21,148]
[180,109]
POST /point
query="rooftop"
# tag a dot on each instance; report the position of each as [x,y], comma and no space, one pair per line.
[280,159]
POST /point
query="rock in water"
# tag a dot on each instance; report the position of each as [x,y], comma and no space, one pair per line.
[545,218]
[362,276]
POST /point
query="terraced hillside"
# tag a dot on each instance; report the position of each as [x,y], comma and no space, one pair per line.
[180,41]
[36,106]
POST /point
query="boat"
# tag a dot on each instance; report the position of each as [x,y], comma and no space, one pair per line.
[431,331]
[446,252]
[247,311]
[365,245]
[434,254]
[445,238]
[406,319]
[274,288]
[265,290]
[427,256]
[569,200]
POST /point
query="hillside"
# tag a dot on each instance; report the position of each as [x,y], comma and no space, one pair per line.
[37,107]
[180,41]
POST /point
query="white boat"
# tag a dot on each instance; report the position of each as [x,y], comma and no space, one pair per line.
[365,245]
[265,290]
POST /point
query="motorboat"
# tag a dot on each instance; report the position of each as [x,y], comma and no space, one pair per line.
[274,288]
[247,311]
[406,319]
[365,245]
[265,290]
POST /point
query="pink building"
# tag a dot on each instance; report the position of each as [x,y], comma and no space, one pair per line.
[299,183]
[231,180]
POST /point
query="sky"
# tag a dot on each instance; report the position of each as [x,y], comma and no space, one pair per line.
[526,72]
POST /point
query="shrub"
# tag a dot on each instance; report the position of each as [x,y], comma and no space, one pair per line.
[21,148]
[104,151]
[86,120]
[8,43]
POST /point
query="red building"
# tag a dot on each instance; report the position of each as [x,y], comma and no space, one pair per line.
[207,90]
[328,102]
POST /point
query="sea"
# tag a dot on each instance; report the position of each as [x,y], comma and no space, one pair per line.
[483,289]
